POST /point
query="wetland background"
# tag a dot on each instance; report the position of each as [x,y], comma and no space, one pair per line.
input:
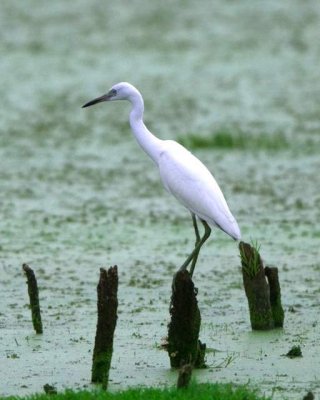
[236,82]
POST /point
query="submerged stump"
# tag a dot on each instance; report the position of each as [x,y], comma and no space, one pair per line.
[107,290]
[184,346]
[256,288]
[34,298]
[184,377]
[275,296]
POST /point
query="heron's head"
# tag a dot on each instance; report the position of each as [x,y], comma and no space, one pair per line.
[120,91]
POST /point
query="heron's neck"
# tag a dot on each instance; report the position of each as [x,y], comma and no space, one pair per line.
[148,142]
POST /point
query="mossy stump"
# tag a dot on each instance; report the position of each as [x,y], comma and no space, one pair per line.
[107,290]
[184,346]
[256,288]
[275,296]
[34,298]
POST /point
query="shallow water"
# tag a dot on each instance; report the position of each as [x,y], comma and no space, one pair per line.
[77,193]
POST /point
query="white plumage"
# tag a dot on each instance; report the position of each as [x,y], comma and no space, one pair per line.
[182,174]
[192,184]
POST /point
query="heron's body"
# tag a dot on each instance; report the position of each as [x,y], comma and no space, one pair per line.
[182,174]
[191,183]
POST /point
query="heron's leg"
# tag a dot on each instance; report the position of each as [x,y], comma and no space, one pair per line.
[196,229]
[195,252]
[198,238]
[207,232]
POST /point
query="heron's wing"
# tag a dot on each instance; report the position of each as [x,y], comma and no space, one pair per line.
[192,184]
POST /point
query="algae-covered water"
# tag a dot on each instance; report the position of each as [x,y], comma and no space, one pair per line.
[237,82]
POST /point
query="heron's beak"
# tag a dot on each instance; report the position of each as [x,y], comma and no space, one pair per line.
[100,99]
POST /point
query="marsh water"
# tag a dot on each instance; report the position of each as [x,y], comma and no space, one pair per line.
[77,193]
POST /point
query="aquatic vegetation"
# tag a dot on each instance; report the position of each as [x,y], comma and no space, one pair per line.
[194,391]
[251,265]
[236,140]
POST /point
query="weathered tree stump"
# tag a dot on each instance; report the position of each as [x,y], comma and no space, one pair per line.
[49,389]
[34,298]
[184,376]
[107,318]
[256,288]
[184,346]
[200,360]
[275,296]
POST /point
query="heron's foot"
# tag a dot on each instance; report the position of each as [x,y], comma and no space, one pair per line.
[183,267]
[187,267]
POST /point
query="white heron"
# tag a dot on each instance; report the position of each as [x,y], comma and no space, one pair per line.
[182,174]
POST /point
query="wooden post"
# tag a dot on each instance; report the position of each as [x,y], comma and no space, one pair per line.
[34,298]
[275,296]
[184,346]
[107,318]
[256,288]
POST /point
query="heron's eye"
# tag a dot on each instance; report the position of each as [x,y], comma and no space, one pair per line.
[113,92]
